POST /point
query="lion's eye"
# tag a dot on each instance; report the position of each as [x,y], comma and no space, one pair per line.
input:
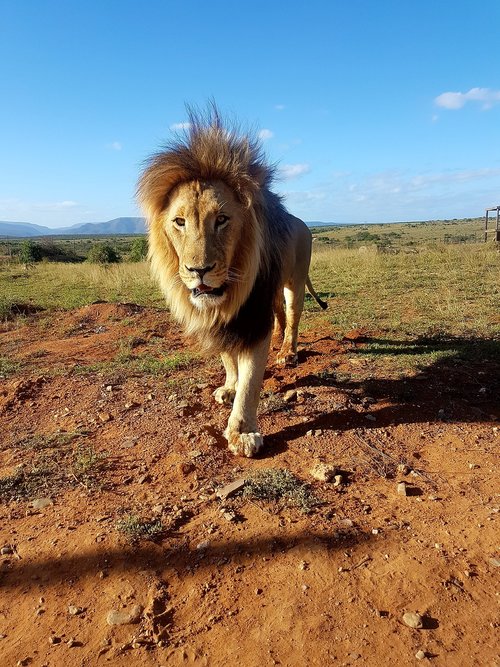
[221,220]
[179,222]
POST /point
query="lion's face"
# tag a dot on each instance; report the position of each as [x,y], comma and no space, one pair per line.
[203,221]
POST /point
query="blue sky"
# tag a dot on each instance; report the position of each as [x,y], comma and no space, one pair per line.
[374,110]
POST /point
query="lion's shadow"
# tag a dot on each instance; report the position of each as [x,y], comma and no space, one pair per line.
[461,385]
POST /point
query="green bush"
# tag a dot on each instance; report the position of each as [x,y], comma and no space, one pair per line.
[29,252]
[102,253]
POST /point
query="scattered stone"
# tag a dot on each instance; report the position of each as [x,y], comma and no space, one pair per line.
[129,442]
[323,472]
[401,490]
[413,620]
[203,545]
[7,550]
[229,515]
[104,417]
[230,489]
[74,610]
[420,655]
[494,561]
[339,480]
[186,467]
[290,396]
[195,454]
[40,503]
[124,616]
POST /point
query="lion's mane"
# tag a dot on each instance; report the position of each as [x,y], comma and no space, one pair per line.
[211,150]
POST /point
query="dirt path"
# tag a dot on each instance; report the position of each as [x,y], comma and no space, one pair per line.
[95,428]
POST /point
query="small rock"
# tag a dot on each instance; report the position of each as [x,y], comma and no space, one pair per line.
[203,545]
[195,454]
[230,489]
[54,640]
[420,655]
[228,515]
[413,620]
[290,396]
[305,587]
[144,478]
[74,610]
[339,480]
[403,469]
[401,490]
[494,561]
[323,472]
[473,466]
[40,503]
[104,417]
[303,565]
[72,642]
[186,467]
[258,591]
[371,418]
[124,616]
[6,550]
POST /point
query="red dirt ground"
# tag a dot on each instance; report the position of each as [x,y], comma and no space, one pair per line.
[274,585]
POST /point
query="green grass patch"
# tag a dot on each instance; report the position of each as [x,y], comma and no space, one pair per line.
[137,529]
[279,486]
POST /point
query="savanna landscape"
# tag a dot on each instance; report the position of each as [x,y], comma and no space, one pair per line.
[366,531]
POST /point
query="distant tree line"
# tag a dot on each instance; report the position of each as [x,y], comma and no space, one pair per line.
[101,252]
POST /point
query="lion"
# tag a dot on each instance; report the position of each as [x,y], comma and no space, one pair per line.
[228,256]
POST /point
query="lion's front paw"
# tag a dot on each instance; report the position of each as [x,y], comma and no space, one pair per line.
[245,444]
[224,395]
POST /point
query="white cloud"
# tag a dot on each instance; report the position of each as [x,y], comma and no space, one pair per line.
[397,195]
[265,134]
[289,171]
[180,126]
[484,96]
[279,107]
[115,146]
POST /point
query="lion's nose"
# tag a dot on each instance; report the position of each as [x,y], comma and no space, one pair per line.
[200,270]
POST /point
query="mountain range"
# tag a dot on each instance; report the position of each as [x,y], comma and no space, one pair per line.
[116,226]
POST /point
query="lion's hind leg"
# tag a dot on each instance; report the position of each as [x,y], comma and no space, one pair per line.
[279,321]
[294,298]
[225,395]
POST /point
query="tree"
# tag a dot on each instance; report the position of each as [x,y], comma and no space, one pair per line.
[102,253]
[138,250]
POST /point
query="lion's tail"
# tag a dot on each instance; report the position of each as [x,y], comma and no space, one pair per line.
[312,292]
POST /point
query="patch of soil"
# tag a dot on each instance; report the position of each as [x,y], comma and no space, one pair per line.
[239,580]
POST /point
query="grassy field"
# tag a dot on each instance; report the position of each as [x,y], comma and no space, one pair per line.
[450,289]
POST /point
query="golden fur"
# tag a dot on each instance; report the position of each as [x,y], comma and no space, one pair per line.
[210,154]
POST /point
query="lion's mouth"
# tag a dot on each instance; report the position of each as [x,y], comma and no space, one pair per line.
[206,290]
